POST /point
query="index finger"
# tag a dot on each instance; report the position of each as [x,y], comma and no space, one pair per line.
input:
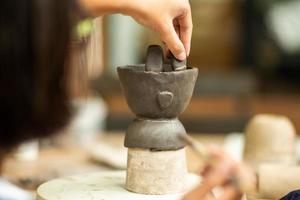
[172,40]
[215,176]
[185,30]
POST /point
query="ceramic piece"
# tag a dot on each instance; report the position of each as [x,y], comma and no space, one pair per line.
[156,94]
[269,139]
[141,88]
[155,134]
[154,59]
[177,64]
[165,99]
[277,180]
[156,173]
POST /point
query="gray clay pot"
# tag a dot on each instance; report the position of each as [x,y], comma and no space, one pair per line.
[157,94]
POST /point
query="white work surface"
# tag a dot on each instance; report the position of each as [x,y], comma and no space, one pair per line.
[100,186]
[233,144]
[111,185]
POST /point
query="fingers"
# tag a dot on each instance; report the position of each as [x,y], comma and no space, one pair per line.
[173,42]
[213,176]
[180,43]
[159,16]
[197,194]
[225,173]
[186,29]
[219,174]
[230,193]
[247,178]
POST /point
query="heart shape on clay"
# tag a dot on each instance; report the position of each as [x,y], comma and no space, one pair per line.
[165,99]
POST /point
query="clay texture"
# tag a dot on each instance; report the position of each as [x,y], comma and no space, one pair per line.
[155,134]
[157,94]
[177,64]
[154,59]
[141,89]
[159,97]
[269,139]
[276,180]
[162,172]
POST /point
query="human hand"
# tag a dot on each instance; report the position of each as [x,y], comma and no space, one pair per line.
[171,19]
[230,177]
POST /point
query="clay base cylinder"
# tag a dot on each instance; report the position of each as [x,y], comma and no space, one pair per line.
[255,197]
[156,172]
[276,180]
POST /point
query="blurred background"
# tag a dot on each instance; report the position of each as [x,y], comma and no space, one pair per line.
[247,53]
[248,56]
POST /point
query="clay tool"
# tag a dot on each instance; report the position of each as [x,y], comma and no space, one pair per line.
[244,180]
[197,147]
[177,65]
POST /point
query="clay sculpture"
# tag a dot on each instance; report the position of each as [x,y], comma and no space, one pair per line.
[269,139]
[156,93]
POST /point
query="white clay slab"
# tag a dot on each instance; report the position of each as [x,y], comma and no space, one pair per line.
[234,146]
[99,186]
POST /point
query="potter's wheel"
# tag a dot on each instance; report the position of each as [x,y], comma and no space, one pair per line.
[103,186]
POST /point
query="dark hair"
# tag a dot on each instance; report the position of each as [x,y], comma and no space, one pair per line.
[34,36]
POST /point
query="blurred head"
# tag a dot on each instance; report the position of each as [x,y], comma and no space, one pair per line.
[34,35]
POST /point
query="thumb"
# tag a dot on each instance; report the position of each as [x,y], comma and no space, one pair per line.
[173,42]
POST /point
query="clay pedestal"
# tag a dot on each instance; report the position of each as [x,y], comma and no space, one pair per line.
[156,172]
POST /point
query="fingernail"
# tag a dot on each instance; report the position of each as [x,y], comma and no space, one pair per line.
[181,56]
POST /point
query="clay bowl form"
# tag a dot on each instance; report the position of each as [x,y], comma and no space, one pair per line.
[157,94]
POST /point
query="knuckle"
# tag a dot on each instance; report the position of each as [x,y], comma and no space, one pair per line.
[187,27]
[177,48]
[210,182]
[186,8]
[165,31]
[191,26]
[184,12]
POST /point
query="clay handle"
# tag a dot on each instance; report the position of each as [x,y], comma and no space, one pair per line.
[154,60]
[177,65]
